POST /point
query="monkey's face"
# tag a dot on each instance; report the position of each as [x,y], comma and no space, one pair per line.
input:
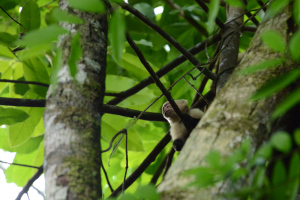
[168,111]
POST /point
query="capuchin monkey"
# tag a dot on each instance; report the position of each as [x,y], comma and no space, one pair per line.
[178,131]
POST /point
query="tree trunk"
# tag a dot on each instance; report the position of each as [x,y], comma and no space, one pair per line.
[231,117]
[73,113]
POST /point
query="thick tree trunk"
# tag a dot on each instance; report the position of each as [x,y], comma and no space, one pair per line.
[73,113]
[231,117]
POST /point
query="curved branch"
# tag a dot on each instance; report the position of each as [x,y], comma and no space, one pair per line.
[30,182]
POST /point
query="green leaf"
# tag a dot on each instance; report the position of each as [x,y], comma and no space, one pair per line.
[57,64]
[275,7]
[30,16]
[5,53]
[75,55]
[43,36]
[293,175]
[35,70]
[281,141]
[64,16]
[264,151]
[95,6]
[212,14]
[237,3]
[297,136]
[279,173]
[268,64]
[290,101]
[213,159]
[21,132]
[11,116]
[146,9]
[296,11]
[294,46]
[274,40]
[117,34]
[276,85]
[147,192]
[7,39]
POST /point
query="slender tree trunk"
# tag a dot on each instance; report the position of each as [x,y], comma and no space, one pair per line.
[231,117]
[73,113]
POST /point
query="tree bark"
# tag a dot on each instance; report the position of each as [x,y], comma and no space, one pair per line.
[231,117]
[73,113]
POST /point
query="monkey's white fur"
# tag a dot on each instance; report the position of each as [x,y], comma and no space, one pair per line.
[178,130]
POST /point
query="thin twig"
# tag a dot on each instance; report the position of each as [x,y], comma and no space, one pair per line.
[106,177]
[126,157]
[13,19]
[21,165]
[112,140]
[30,182]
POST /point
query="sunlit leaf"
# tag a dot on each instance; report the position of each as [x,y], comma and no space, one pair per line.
[11,116]
[274,41]
[95,6]
[75,55]
[30,16]
[294,46]
[290,101]
[212,14]
[64,16]
[276,85]
[7,39]
[281,141]
[117,34]
[43,36]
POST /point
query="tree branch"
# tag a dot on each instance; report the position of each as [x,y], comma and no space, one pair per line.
[22,102]
[30,182]
[24,82]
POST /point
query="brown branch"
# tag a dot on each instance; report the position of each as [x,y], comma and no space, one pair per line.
[30,182]
[112,140]
[262,5]
[13,19]
[143,166]
[25,82]
[106,177]
[21,165]
[169,161]
[157,81]
[164,70]
[126,112]
[170,39]
[22,102]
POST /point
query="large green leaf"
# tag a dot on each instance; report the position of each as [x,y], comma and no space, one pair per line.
[64,16]
[146,9]
[293,175]
[30,16]
[274,40]
[75,55]
[276,84]
[212,14]
[109,128]
[117,34]
[5,53]
[278,180]
[268,64]
[21,132]
[294,46]
[281,141]
[20,175]
[7,39]
[11,116]
[42,36]
[296,11]
[290,101]
[95,6]
[35,70]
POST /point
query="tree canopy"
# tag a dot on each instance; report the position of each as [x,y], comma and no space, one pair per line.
[157,51]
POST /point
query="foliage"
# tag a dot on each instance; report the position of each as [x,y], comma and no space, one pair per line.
[29,52]
[277,156]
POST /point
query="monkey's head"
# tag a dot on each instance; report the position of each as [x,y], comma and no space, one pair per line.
[169,113]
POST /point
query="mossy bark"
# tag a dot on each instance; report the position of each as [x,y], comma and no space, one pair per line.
[231,117]
[73,113]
